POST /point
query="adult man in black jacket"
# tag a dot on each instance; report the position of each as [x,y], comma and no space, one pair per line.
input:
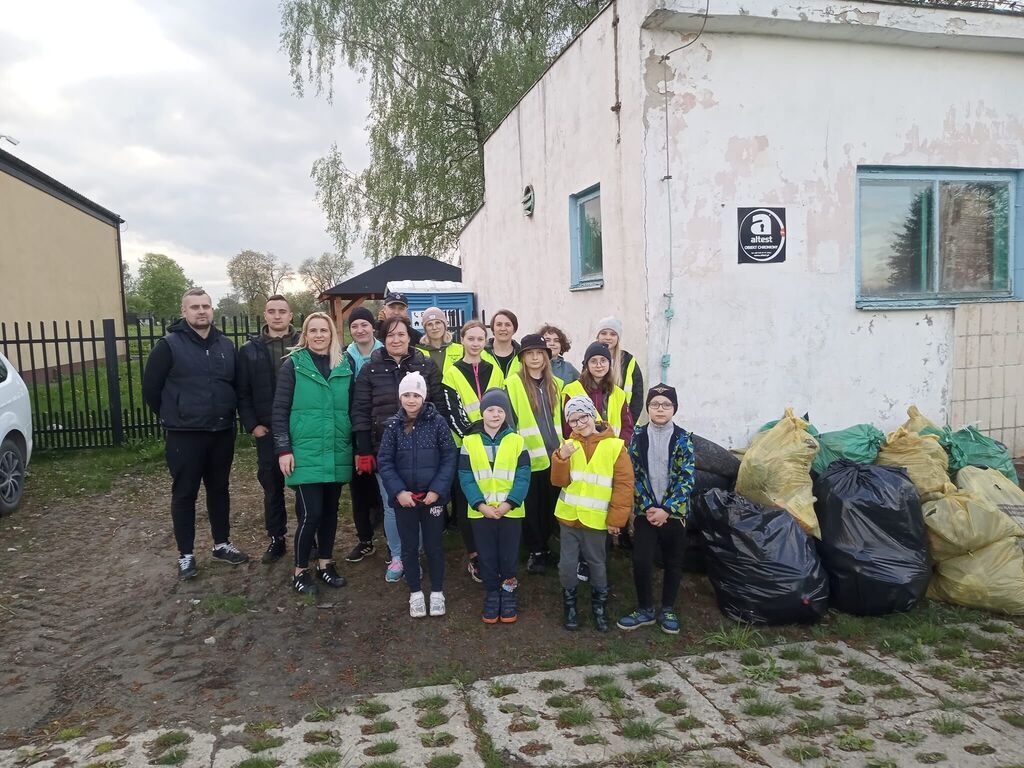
[259,361]
[190,382]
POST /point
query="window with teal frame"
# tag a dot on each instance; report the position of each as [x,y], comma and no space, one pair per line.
[935,237]
[585,239]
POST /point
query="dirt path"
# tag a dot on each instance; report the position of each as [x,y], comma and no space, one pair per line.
[95,629]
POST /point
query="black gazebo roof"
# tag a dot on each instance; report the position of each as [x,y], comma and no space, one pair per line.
[372,284]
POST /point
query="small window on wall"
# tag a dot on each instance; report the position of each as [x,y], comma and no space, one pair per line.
[934,238]
[585,235]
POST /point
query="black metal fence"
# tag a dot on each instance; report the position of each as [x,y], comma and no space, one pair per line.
[85,379]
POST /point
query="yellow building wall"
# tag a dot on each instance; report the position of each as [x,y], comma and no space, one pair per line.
[56,263]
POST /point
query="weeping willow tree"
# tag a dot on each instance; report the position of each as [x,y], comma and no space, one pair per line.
[442,74]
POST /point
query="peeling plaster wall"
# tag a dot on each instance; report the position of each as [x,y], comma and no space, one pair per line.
[778,121]
[562,138]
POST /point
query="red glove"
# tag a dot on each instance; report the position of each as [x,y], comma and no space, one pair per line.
[365,465]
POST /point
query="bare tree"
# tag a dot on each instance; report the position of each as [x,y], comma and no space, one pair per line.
[325,271]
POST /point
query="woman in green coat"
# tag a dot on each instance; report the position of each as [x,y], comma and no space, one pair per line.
[313,441]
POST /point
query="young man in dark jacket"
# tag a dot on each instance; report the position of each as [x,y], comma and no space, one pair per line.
[259,361]
[662,457]
[190,382]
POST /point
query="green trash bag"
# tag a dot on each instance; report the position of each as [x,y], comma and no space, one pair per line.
[968,447]
[859,443]
[768,425]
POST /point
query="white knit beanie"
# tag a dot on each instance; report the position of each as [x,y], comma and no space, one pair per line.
[609,323]
[413,382]
[580,404]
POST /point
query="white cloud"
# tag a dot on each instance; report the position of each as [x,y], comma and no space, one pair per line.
[180,117]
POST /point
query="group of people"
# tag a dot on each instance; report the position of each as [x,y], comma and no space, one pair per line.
[504,439]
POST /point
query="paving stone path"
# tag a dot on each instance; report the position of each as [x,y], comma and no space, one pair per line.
[800,705]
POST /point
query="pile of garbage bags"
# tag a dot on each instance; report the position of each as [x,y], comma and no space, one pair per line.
[867,522]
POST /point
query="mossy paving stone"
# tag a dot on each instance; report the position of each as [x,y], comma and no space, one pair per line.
[976,677]
[777,679]
[134,750]
[578,745]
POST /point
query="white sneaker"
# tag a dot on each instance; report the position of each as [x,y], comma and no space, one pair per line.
[417,606]
[437,603]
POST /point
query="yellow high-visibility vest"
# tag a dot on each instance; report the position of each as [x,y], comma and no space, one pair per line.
[527,422]
[513,367]
[616,400]
[452,354]
[589,492]
[468,397]
[627,379]
[495,482]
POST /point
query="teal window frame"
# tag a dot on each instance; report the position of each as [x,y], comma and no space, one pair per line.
[937,298]
[579,281]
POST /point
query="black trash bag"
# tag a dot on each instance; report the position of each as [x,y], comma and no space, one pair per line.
[764,568]
[713,458]
[874,542]
[694,559]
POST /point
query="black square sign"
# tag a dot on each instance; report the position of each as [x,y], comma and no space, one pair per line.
[761,235]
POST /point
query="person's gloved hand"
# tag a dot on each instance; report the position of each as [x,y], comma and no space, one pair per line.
[365,465]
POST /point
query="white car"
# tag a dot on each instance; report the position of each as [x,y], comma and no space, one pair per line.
[15,436]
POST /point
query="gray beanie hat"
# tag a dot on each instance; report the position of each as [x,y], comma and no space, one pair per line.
[580,404]
[496,397]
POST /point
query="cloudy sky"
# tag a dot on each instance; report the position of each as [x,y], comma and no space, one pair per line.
[181,118]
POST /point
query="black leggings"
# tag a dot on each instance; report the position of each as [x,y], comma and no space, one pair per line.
[316,509]
[365,496]
[540,511]
[460,506]
[670,538]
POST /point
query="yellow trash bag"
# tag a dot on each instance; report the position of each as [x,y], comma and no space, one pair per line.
[991,578]
[918,421]
[776,470]
[992,486]
[924,459]
[960,523]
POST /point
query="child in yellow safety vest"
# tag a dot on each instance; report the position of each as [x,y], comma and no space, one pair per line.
[535,393]
[494,471]
[596,477]
[464,383]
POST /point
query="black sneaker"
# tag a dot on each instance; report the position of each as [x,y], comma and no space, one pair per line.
[187,567]
[303,583]
[275,551]
[583,571]
[230,554]
[330,576]
[359,551]
[537,563]
[474,569]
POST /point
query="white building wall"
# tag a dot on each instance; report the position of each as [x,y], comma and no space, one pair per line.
[779,121]
[562,138]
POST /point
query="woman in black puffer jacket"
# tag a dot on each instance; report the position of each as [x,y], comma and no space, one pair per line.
[375,400]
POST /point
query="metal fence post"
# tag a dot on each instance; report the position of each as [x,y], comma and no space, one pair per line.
[113,380]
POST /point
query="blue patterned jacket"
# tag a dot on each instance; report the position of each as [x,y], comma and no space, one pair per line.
[680,473]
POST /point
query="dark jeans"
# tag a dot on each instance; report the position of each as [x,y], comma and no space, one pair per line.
[365,496]
[671,540]
[540,511]
[316,511]
[268,472]
[194,458]
[497,544]
[461,507]
[428,523]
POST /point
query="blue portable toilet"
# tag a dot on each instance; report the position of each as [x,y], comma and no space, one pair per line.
[453,297]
